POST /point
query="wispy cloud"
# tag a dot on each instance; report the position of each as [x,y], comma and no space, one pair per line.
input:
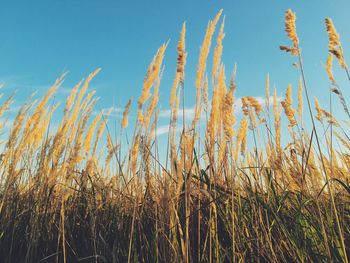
[164,129]
[114,111]
[13,79]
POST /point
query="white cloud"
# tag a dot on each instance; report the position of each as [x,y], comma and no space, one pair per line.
[164,129]
[114,111]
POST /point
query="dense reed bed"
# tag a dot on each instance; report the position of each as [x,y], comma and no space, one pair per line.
[234,191]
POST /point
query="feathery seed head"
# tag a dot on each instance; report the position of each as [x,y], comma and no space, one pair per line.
[152,74]
[181,57]
[204,51]
[218,51]
[300,100]
[329,68]
[287,106]
[290,27]
[334,44]
[126,114]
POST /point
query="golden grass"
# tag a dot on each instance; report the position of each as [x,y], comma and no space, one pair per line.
[270,192]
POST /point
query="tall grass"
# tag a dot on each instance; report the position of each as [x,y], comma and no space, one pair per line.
[229,190]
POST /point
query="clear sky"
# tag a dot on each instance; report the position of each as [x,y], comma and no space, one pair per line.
[42,39]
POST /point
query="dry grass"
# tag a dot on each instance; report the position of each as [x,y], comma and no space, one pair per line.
[217,198]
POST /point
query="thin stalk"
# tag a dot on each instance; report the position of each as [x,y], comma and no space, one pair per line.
[185,180]
[132,230]
[347,72]
[321,157]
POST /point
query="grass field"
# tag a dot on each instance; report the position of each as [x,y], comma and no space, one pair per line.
[233,191]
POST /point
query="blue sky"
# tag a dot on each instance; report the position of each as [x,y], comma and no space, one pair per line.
[42,39]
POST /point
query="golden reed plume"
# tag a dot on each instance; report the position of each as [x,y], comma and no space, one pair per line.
[151,76]
[181,57]
[218,51]
[241,140]
[290,27]
[252,102]
[276,112]
[204,52]
[287,106]
[322,113]
[229,118]
[300,100]
[125,120]
[329,68]
[334,44]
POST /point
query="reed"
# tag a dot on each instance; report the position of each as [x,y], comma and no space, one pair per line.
[271,189]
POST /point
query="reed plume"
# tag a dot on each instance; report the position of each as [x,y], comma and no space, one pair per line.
[77,156]
[110,150]
[245,105]
[334,44]
[152,105]
[251,102]
[134,152]
[151,76]
[229,118]
[173,90]
[329,68]
[290,27]
[84,88]
[181,55]
[90,132]
[241,140]
[276,112]
[125,120]
[204,52]
[42,128]
[222,90]
[34,121]
[322,113]
[218,51]
[205,93]
[287,106]
[100,129]
[214,116]
[300,100]
[71,98]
